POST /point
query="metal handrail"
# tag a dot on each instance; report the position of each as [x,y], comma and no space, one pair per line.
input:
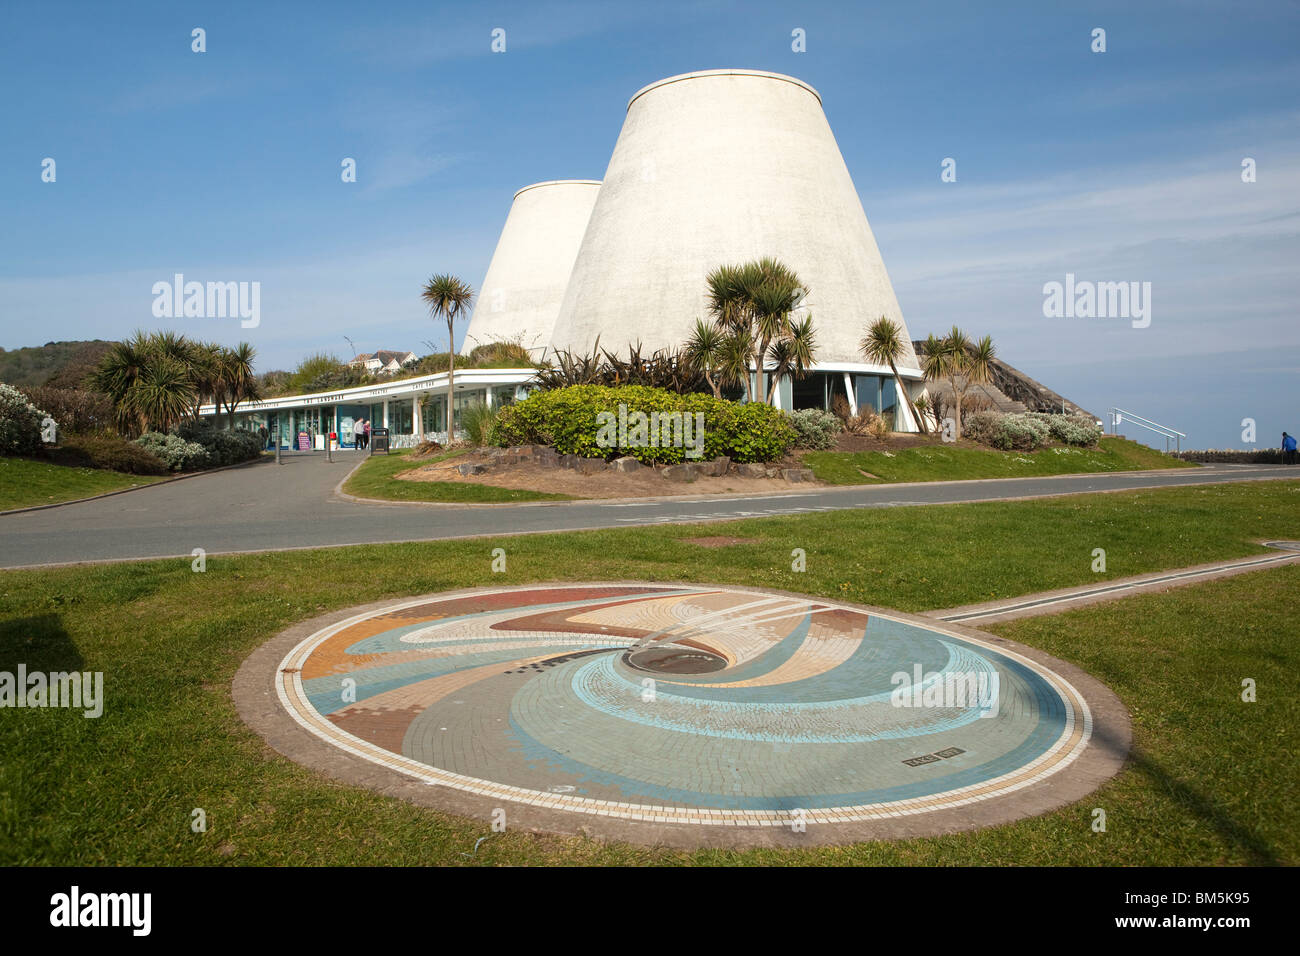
[1118,415]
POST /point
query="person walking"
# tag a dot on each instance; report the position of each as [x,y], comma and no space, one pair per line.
[1288,449]
[367,433]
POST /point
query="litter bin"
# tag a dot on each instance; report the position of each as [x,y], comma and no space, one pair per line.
[379,440]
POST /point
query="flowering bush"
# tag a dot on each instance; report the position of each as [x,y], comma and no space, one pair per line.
[20,423]
[175,452]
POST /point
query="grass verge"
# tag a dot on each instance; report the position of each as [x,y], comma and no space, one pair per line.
[376,478]
[957,462]
[1211,781]
[25,483]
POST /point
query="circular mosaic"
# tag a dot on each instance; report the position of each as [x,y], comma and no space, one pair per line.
[691,705]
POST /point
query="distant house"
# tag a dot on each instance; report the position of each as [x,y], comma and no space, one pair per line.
[383,362]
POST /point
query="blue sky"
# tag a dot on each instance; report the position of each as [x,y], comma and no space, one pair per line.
[1115,166]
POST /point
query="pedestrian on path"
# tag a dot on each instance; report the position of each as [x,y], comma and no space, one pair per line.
[1288,449]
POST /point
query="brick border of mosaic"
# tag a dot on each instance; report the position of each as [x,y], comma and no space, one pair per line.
[257,699]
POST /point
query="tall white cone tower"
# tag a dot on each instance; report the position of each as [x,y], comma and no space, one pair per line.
[521,293]
[721,167]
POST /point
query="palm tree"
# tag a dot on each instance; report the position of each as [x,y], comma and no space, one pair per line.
[774,293]
[960,363]
[734,356]
[883,345]
[757,298]
[235,375]
[704,351]
[117,372]
[163,394]
[792,355]
[449,297]
[730,305]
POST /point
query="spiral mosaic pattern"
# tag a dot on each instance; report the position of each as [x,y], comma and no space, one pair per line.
[557,696]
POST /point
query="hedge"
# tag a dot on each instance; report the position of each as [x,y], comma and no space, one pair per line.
[567,419]
[1025,431]
[1260,456]
[108,452]
[176,452]
[223,446]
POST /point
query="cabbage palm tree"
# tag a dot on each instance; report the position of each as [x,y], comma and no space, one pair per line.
[884,345]
[162,396]
[704,351]
[448,297]
[731,308]
[792,355]
[958,362]
[236,379]
[757,298]
[119,369]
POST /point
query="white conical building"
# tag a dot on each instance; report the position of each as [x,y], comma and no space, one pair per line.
[724,166]
[524,286]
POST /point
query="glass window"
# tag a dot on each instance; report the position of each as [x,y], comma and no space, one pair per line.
[888,401]
[867,389]
[401,417]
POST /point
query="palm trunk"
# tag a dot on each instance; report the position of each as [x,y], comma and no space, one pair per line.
[898,380]
[451,382]
[758,366]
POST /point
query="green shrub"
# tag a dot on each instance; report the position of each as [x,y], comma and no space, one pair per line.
[1024,431]
[1073,429]
[568,420]
[477,421]
[20,423]
[224,447]
[177,453]
[109,452]
[815,428]
[1020,432]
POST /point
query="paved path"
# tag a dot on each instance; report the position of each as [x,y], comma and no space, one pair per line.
[266,507]
[1053,602]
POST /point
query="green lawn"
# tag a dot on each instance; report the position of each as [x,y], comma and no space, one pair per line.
[25,483]
[1212,780]
[375,479]
[956,462]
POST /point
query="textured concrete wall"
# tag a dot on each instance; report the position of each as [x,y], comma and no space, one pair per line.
[521,293]
[717,167]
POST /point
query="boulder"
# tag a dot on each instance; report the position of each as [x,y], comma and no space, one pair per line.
[683,472]
[797,474]
[469,468]
[627,464]
[753,469]
[568,461]
[715,468]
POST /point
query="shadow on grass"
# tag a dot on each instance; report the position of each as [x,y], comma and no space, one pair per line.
[1205,808]
[40,642]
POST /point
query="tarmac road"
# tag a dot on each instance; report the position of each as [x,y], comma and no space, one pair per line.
[269,507]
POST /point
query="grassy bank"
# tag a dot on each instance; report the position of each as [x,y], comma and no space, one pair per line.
[957,462]
[1211,780]
[25,483]
[376,478]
